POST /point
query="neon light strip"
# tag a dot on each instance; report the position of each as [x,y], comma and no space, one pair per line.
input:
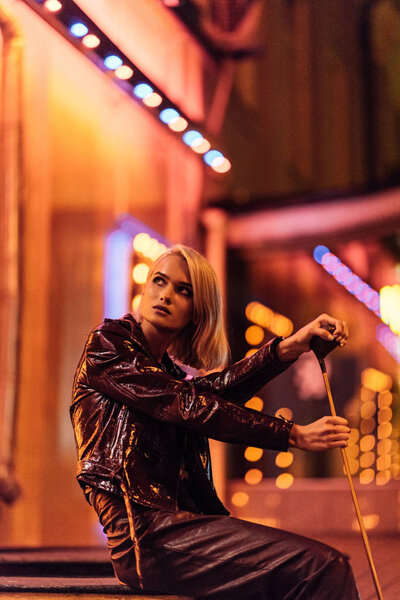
[70,20]
[117,279]
[362,291]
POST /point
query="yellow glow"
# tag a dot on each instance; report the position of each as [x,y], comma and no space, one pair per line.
[370,522]
[367,409]
[202,147]
[367,476]
[284,459]
[152,249]
[140,272]
[251,352]
[384,430]
[91,41]
[267,318]
[354,436]
[136,302]
[53,5]
[352,451]
[253,454]
[354,465]
[385,415]
[384,462]
[140,242]
[240,499]
[255,403]
[254,335]
[385,399]
[376,380]
[224,167]
[367,460]
[367,442]
[253,476]
[284,412]
[389,306]
[179,124]
[152,100]
[384,446]
[383,477]
[123,72]
[284,481]
[367,394]
[367,426]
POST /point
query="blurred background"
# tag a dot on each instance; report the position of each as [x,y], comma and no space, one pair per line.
[266,134]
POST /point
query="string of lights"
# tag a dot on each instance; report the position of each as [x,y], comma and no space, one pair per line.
[70,20]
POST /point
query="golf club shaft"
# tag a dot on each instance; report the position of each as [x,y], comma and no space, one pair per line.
[354,495]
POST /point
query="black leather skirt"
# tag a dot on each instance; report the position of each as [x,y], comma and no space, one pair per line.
[217,557]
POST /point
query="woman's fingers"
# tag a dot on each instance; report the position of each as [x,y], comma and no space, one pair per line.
[327,432]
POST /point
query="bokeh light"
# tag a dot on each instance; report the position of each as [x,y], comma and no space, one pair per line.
[253,454]
[253,476]
[140,272]
[284,481]
[255,403]
[240,499]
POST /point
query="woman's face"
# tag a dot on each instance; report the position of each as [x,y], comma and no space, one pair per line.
[167,300]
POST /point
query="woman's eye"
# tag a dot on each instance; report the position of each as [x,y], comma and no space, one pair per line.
[185,291]
[158,280]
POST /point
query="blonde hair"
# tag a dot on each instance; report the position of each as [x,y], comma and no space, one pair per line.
[203,343]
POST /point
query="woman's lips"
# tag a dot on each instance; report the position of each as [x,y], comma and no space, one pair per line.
[162,309]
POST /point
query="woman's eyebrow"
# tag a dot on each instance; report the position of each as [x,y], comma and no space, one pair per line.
[187,283]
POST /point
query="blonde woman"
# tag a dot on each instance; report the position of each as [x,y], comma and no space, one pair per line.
[141,429]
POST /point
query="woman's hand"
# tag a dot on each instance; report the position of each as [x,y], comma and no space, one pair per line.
[326,433]
[290,348]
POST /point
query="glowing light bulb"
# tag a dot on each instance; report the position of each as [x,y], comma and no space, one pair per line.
[112,62]
[53,5]
[284,481]
[178,125]
[78,30]
[253,454]
[142,90]
[213,156]
[240,499]
[91,41]
[191,136]
[140,272]
[153,100]
[168,114]
[123,72]
[224,167]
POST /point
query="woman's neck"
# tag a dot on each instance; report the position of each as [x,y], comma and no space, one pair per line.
[157,340]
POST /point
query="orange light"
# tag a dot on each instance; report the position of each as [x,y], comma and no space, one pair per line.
[224,167]
[367,409]
[367,394]
[385,415]
[367,443]
[136,302]
[240,499]
[123,72]
[284,481]
[284,412]
[352,451]
[383,477]
[367,426]
[384,462]
[253,476]
[253,454]
[140,272]
[354,436]
[251,352]
[178,124]
[152,100]
[384,446]
[354,465]
[255,403]
[385,399]
[201,147]
[384,430]
[370,522]
[283,460]
[141,242]
[367,476]
[367,460]
[90,41]
[376,380]
[53,5]
[254,335]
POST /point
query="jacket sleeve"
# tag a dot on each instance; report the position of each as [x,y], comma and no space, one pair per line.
[115,367]
[240,381]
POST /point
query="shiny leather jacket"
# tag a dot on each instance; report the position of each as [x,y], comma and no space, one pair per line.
[141,427]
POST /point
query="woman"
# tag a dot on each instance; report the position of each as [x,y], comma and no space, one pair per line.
[141,431]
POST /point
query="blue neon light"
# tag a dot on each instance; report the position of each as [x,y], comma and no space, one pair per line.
[211,156]
[78,30]
[142,90]
[112,62]
[190,136]
[168,114]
